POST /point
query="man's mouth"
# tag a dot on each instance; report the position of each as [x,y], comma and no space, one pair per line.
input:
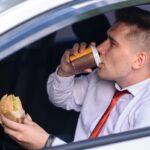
[101,65]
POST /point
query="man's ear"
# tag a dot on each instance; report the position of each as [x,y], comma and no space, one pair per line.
[140,59]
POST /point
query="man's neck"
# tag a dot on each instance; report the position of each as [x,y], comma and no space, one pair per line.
[133,80]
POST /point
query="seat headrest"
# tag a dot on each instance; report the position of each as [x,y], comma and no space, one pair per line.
[92,29]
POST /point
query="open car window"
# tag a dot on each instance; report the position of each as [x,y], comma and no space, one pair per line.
[38,27]
[31,49]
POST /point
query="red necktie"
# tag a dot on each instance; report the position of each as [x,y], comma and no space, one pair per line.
[105,116]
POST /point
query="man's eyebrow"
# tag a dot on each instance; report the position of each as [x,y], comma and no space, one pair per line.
[112,39]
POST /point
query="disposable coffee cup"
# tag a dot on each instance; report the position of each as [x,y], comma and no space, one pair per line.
[89,58]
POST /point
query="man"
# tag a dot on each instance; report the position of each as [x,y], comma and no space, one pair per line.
[125,66]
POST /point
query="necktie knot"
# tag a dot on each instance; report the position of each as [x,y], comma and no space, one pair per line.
[120,93]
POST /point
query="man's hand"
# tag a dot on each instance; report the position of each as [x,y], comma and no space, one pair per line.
[66,69]
[28,134]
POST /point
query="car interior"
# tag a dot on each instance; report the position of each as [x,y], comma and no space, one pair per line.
[25,74]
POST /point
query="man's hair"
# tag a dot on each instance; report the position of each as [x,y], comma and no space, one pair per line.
[139,21]
[134,16]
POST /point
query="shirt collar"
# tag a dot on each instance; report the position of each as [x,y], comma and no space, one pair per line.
[136,88]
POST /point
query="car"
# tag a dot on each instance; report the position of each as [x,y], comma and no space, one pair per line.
[33,37]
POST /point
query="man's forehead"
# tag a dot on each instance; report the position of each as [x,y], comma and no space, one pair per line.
[119,27]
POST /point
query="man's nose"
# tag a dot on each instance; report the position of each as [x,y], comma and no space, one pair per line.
[102,48]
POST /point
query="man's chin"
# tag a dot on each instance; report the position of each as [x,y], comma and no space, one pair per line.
[103,75]
[100,74]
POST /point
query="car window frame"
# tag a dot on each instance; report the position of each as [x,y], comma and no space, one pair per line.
[57,18]
[106,141]
[25,36]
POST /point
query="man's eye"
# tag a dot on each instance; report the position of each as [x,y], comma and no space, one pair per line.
[112,43]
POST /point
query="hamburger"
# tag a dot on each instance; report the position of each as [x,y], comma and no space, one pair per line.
[11,107]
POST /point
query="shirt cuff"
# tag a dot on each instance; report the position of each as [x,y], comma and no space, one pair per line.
[57,142]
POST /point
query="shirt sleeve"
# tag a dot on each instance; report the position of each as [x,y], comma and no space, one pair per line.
[67,92]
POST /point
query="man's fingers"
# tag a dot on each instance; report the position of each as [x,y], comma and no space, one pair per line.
[10,124]
[88,70]
[28,117]
[27,120]
[12,133]
[66,56]
[78,48]
[93,44]
[74,50]
[82,47]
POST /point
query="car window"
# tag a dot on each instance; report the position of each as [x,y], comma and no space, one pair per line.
[31,51]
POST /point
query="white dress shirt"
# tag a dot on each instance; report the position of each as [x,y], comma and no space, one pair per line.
[91,96]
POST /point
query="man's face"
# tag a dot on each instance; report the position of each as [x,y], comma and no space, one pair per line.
[117,54]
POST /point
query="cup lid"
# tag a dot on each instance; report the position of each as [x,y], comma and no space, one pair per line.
[96,55]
